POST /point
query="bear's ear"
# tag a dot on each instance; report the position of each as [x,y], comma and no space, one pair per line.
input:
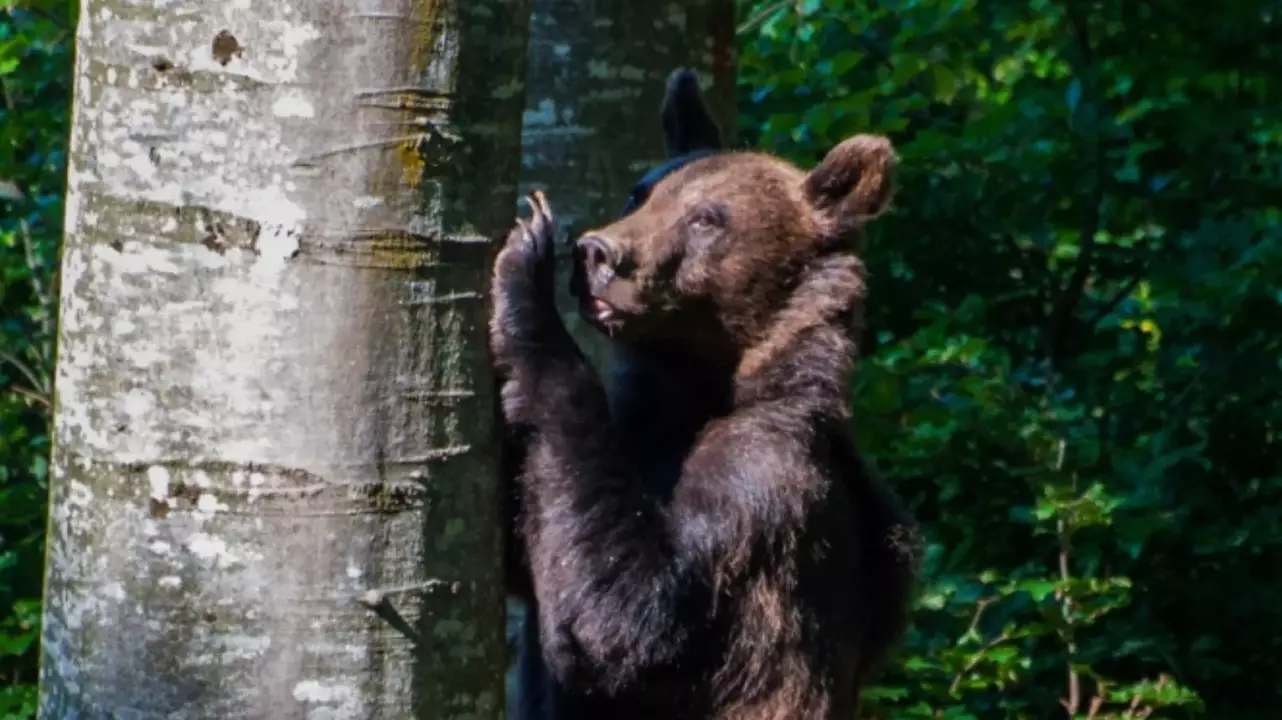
[855,181]
[687,125]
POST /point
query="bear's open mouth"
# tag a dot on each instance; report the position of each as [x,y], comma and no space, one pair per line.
[596,310]
[602,310]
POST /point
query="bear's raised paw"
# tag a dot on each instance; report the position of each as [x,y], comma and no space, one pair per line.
[524,278]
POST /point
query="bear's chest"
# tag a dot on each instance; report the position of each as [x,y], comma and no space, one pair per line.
[654,440]
[659,406]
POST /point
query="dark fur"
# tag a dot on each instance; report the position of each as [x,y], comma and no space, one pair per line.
[700,538]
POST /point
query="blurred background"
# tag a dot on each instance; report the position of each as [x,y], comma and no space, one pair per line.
[1073,368]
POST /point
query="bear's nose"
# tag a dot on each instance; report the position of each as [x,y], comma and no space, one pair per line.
[596,253]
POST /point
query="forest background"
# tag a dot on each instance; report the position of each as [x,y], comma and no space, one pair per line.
[1072,369]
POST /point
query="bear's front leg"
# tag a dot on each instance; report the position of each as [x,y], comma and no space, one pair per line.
[533,352]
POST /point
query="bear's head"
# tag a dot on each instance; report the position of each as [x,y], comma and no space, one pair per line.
[712,242]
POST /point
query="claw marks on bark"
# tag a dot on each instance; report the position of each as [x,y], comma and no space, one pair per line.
[271,491]
[415,140]
[428,110]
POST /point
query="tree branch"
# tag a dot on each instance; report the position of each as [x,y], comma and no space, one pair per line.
[751,23]
[1074,700]
[1108,307]
[981,605]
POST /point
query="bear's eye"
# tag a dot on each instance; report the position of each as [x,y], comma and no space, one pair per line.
[707,217]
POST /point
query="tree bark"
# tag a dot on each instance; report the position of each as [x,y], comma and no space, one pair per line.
[274,485]
[597,74]
[596,79]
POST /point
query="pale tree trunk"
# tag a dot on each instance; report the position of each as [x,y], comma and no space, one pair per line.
[597,73]
[274,486]
[596,78]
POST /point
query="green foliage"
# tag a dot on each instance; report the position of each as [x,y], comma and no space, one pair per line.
[1072,368]
[36,43]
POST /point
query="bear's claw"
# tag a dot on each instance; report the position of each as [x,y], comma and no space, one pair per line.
[530,244]
[542,227]
[524,279]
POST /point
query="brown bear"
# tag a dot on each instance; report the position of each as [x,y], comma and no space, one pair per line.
[698,537]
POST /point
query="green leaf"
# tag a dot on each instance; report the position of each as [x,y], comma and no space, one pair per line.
[1039,590]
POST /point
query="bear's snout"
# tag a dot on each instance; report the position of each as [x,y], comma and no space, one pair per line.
[597,256]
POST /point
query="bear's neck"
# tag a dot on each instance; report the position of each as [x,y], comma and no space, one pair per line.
[660,398]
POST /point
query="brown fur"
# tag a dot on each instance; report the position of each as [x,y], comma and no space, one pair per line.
[702,537]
